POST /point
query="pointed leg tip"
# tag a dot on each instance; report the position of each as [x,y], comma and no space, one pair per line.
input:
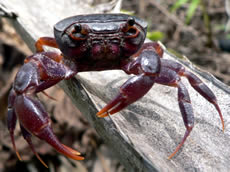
[114,106]
[50,97]
[189,129]
[77,153]
[102,115]
[222,122]
[75,157]
[39,158]
[71,150]
[223,126]
[102,112]
[80,158]
[172,155]
[71,153]
[220,114]
[15,149]
[99,114]
[18,155]
[29,141]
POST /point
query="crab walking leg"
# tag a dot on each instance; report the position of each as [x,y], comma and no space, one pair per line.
[27,136]
[45,41]
[11,123]
[201,88]
[195,82]
[186,112]
[170,77]
[49,71]
[50,42]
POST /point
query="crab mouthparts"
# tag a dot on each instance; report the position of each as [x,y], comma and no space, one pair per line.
[106,49]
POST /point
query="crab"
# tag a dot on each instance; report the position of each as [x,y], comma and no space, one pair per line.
[96,42]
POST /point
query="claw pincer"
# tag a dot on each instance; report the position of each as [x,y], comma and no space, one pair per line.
[32,116]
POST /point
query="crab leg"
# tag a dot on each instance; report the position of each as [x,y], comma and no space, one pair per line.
[201,88]
[195,82]
[146,66]
[187,114]
[45,41]
[170,75]
[11,123]
[40,71]
[171,78]
[27,136]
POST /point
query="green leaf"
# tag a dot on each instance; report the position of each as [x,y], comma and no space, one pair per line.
[178,4]
[191,10]
[155,35]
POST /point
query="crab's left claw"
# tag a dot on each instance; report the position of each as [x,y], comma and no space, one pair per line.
[35,119]
[133,89]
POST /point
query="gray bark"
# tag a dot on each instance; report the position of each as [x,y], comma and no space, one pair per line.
[147,132]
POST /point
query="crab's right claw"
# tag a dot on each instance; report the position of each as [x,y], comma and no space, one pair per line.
[133,89]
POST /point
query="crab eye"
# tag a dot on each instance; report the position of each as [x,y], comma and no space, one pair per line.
[129,28]
[131,21]
[77,28]
[78,32]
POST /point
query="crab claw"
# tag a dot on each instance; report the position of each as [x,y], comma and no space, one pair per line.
[133,89]
[35,120]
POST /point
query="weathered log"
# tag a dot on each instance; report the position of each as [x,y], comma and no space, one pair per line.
[144,134]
